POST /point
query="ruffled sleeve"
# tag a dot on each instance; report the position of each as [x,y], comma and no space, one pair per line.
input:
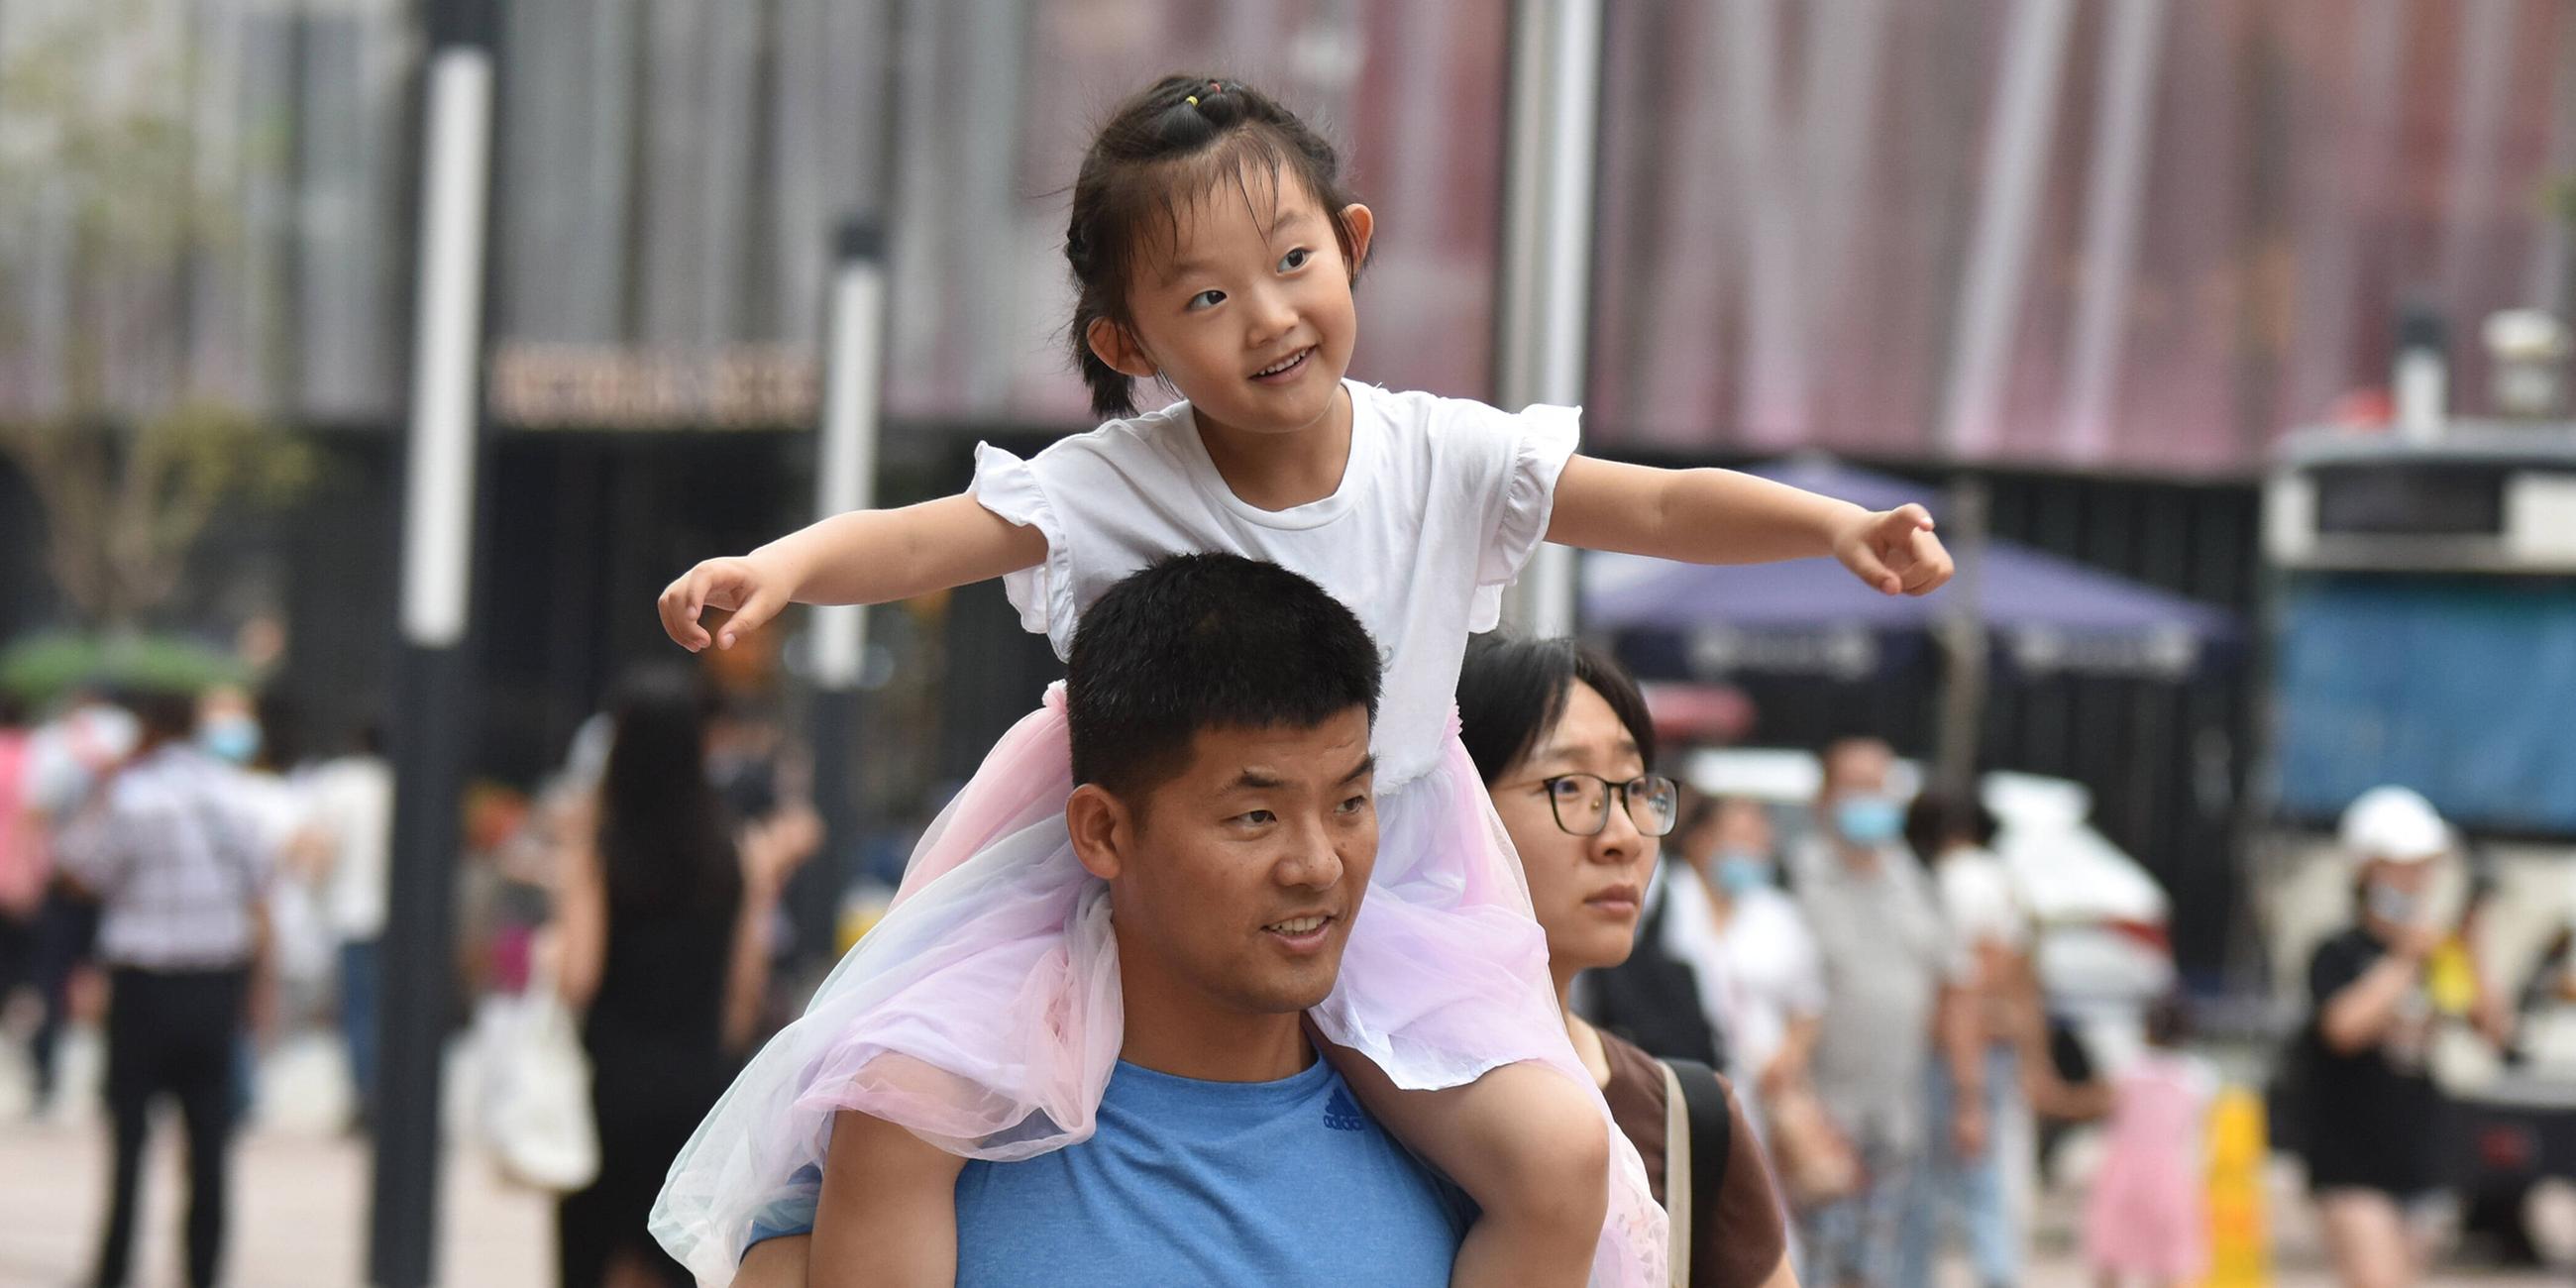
[1005,485]
[1544,438]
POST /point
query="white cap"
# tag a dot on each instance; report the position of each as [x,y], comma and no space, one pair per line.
[2395,824]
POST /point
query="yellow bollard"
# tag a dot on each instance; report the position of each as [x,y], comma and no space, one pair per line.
[2240,1236]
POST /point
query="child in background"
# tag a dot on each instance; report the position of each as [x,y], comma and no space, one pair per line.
[2147,1220]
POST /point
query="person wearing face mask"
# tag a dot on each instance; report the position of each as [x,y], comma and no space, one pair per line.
[166,845]
[1897,987]
[2371,1105]
[1748,946]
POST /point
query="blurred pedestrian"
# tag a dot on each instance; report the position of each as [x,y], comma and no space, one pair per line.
[66,757]
[349,843]
[2373,1112]
[662,918]
[2147,1218]
[26,862]
[1896,980]
[172,853]
[1987,916]
[1749,945]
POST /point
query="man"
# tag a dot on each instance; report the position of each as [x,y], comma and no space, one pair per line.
[168,849]
[1220,712]
[1896,980]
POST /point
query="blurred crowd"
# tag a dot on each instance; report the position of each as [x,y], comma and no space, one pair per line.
[182,871]
[199,876]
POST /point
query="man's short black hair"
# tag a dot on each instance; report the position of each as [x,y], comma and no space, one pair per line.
[1206,641]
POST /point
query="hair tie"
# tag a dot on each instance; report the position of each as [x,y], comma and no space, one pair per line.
[1193,100]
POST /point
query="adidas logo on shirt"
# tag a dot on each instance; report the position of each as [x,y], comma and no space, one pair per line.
[1341,1113]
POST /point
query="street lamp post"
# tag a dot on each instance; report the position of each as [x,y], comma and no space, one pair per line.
[433,681]
[845,469]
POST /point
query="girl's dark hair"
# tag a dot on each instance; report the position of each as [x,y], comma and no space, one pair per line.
[1512,691]
[1159,150]
[664,844]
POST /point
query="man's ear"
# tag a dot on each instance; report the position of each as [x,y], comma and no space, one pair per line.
[1103,828]
[1116,345]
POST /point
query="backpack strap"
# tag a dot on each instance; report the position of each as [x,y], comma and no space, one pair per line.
[1697,1119]
[1679,1192]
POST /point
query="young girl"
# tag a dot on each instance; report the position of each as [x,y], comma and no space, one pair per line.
[1214,247]
[2147,1220]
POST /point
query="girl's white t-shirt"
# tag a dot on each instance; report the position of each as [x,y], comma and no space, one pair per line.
[1441,505]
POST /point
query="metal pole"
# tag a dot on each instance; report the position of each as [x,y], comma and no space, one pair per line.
[1546,316]
[845,470]
[1965,648]
[432,684]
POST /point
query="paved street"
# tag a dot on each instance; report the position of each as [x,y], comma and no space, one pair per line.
[301,1192]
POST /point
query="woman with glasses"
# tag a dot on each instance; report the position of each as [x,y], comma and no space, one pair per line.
[1566,750]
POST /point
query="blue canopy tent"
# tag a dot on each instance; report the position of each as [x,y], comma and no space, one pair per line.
[2043,613]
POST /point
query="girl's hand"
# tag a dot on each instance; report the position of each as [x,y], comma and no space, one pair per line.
[1895,551]
[743,585]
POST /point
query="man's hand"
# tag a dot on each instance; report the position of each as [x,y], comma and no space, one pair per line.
[1894,551]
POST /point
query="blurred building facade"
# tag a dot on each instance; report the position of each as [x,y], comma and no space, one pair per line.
[2104,252]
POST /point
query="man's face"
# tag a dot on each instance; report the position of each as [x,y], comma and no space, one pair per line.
[1247,868]
[1856,805]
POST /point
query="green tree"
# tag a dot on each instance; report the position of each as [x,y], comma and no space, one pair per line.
[97,141]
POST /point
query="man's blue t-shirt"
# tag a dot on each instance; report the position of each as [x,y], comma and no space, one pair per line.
[1283,1183]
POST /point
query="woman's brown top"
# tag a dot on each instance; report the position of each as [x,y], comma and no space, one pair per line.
[1737,1241]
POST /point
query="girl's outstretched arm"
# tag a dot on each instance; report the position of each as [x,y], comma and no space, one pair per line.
[863,557]
[1725,517]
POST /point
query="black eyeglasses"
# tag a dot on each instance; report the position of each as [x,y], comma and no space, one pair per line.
[1582,802]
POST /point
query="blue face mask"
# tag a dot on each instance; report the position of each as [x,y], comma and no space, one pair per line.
[1739,872]
[1869,820]
[230,738]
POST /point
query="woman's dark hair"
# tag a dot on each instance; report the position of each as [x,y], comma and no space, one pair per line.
[1512,691]
[1160,150]
[164,713]
[1937,818]
[664,844]
[281,730]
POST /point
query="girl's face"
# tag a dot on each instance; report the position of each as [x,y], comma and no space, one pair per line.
[1249,315]
[1587,890]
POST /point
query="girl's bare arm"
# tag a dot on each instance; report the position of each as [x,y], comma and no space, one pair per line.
[887,1217]
[862,557]
[1714,516]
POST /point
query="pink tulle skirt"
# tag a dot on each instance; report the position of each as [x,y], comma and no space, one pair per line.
[983,1012]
